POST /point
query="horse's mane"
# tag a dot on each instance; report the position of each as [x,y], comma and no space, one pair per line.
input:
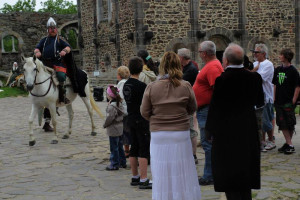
[41,66]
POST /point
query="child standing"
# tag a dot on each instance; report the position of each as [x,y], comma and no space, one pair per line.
[114,128]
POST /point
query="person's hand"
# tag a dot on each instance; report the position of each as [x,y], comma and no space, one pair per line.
[62,53]
[38,54]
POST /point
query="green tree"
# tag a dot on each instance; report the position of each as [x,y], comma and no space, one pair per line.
[59,7]
[20,6]
[52,6]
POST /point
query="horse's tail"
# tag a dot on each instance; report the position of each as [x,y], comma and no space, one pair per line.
[93,102]
[95,107]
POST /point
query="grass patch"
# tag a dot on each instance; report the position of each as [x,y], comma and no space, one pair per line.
[12,92]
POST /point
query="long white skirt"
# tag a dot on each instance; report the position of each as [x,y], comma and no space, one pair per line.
[173,167]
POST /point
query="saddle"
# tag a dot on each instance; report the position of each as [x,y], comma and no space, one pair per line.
[54,78]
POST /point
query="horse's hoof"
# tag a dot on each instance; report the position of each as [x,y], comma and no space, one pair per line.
[65,137]
[32,143]
[54,141]
[93,133]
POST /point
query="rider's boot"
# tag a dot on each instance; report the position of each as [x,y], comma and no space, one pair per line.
[47,127]
[62,94]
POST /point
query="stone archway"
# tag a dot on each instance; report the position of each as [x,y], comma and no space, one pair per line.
[16,35]
[176,44]
[70,32]
[221,42]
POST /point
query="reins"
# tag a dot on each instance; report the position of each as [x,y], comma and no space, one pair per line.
[50,77]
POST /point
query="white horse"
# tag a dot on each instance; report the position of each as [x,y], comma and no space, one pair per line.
[44,93]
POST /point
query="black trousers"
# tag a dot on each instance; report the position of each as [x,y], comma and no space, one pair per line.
[47,113]
[239,195]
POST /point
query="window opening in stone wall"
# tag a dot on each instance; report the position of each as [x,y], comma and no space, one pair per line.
[104,10]
[71,36]
[10,44]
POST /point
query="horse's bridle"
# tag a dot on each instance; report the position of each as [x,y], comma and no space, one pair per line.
[50,77]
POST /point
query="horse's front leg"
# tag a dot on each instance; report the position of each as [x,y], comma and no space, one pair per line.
[87,103]
[71,116]
[52,109]
[34,110]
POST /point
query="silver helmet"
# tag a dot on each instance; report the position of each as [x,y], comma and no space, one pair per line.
[51,22]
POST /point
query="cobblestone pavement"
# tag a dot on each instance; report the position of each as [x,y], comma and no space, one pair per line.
[75,168]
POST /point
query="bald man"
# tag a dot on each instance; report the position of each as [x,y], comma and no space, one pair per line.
[231,125]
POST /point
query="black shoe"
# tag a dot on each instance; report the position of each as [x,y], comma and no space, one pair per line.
[289,150]
[145,185]
[111,168]
[203,181]
[47,127]
[196,159]
[123,166]
[135,181]
[282,149]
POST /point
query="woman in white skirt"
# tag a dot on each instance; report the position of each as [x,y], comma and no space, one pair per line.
[168,104]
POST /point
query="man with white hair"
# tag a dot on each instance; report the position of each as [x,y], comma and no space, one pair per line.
[203,89]
[231,125]
[266,69]
[190,72]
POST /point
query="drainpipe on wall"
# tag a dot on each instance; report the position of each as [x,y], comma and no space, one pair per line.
[80,38]
[242,21]
[117,33]
[297,32]
[194,5]
[96,42]
[139,23]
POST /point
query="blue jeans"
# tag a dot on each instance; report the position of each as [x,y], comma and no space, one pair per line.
[268,116]
[201,117]
[117,155]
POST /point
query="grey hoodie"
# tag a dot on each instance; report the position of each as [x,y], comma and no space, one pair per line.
[147,76]
[114,119]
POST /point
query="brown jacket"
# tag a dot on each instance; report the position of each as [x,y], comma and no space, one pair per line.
[114,120]
[168,107]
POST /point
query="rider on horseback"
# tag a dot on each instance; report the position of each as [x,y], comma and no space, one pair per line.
[50,50]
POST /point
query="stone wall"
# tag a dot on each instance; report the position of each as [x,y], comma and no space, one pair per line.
[88,35]
[186,23]
[28,28]
[167,20]
[262,20]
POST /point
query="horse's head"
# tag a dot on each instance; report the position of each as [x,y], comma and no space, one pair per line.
[31,68]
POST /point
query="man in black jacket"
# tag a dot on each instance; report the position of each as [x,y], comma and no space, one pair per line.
[232,127]
[190,72]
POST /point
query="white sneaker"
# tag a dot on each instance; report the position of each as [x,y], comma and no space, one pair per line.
[262,148]
[270,145]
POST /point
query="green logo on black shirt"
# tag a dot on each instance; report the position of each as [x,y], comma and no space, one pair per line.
[281,77]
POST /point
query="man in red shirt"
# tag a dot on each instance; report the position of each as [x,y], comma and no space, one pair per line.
[203,89]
